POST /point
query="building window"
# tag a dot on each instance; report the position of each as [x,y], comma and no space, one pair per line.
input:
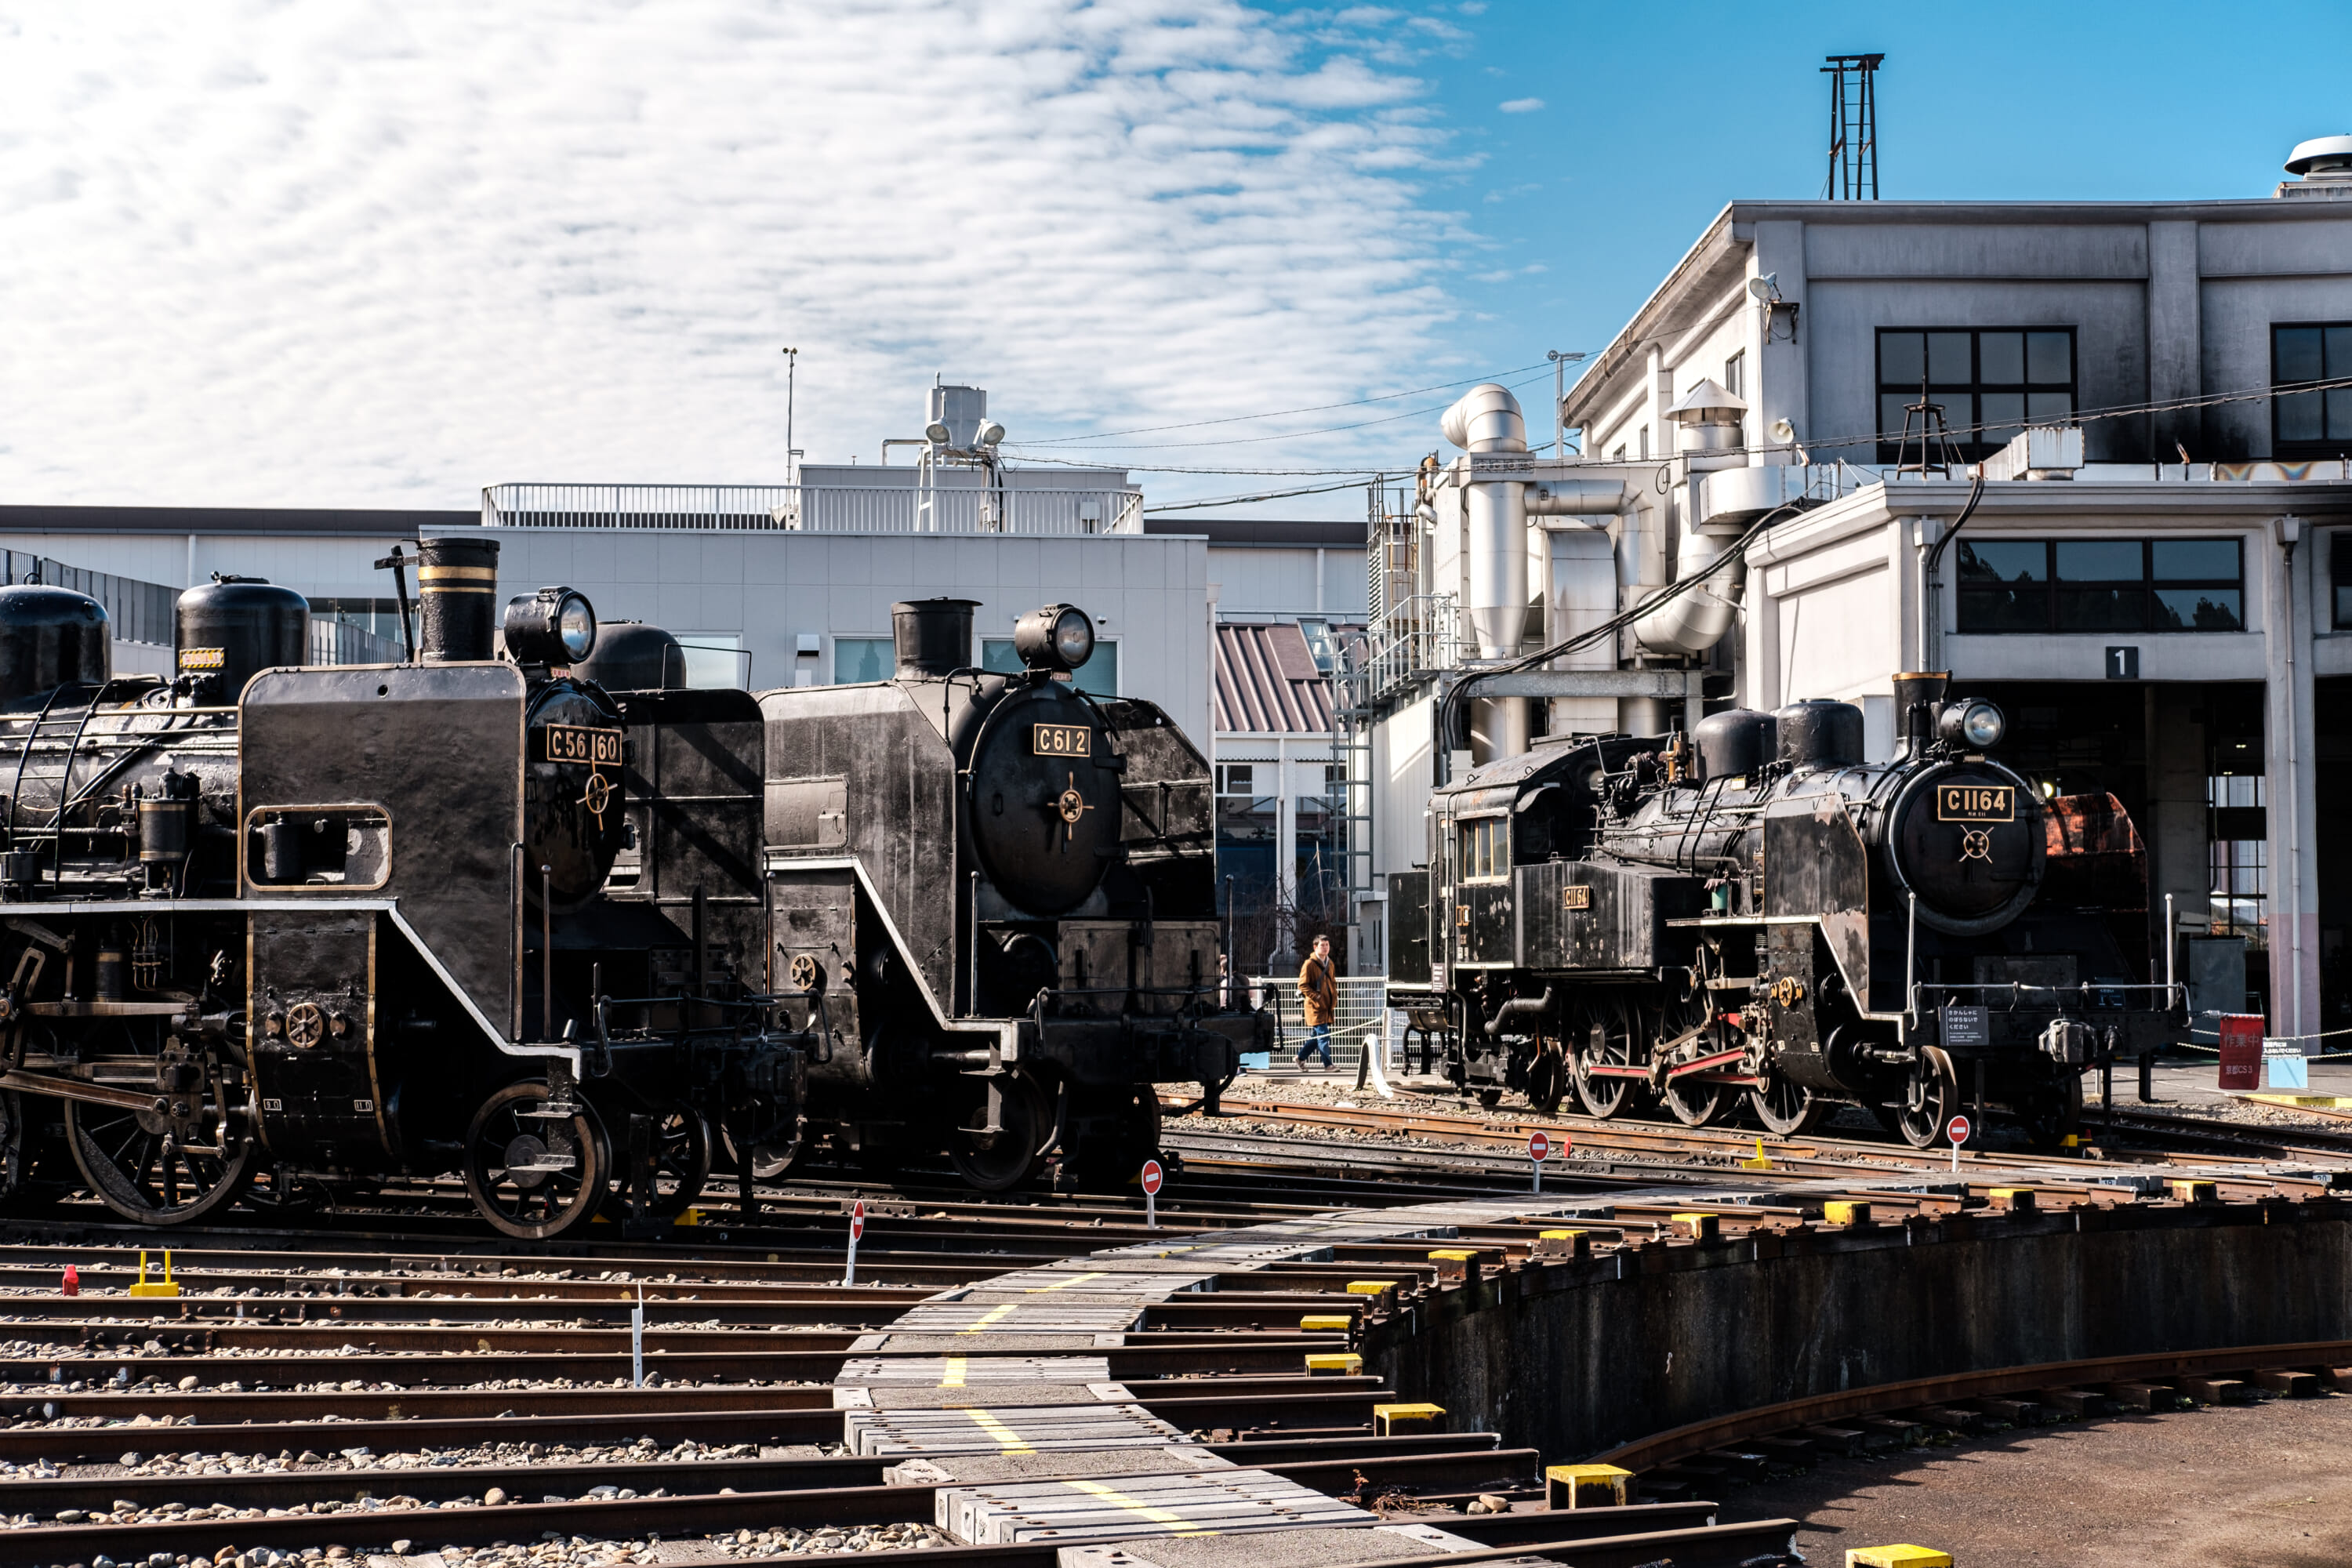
[1485,849]
[862,658]
[1097,677]
[2339,569]
[1645,435]
[1990,383]
[717,659]
[2237,849]
[2317,423]
[2102,585]
[1735,374]
[1236,778]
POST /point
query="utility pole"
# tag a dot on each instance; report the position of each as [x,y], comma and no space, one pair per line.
[791,367]
[1560,363]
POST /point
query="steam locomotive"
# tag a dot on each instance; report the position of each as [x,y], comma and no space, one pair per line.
[992,902]
[1752,913]
[329,926]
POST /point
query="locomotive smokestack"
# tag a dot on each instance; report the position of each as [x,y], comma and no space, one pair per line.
[1918,698]
[932,637]
[459,578]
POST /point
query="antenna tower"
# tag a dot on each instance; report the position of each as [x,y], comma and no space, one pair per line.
[1854,128]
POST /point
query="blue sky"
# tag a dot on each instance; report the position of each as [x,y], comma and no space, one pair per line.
[385,252]
[1643,134]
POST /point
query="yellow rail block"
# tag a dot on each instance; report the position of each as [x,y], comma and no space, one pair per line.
[2193,1192]
[1587,1486]
[163,1287]
[1836,1211]
[1339,1322]
[1452,1255]
[1897,1557]
[1563,1243]
[2017,1200]
[1762,1162]
[1335,1364]
[1370,1287]
[1699,1226]
[1392,1420]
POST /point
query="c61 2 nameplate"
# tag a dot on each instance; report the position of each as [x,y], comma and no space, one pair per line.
[580,743]
[1976,802]
[1060,740]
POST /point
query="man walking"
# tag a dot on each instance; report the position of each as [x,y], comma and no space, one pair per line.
[1318,999]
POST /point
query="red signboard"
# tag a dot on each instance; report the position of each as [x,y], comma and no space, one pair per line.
[858,1221]
[1538,1146]
[1152,1176]
[2242,1050]
[1958,1129]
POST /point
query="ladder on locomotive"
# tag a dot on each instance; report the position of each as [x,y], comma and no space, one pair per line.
[38,739]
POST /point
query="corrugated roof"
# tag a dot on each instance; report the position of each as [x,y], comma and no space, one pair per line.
[1267,682]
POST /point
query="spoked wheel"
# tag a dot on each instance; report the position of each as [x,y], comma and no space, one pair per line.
[1930,1094]
[681,1163]
[154,1169]
[777,1145]
[1694,1104]
[1787,1110]
[999,1161]
[1548,1077]
[533,1173]
[1113,1159]
[1605,1036]
[2053,1111]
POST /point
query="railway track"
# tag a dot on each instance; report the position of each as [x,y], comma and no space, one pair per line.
[1006,1381]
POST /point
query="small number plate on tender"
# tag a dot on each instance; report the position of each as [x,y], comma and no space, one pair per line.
[1059,739]
[582,744]
[1976,802]
[1576,896]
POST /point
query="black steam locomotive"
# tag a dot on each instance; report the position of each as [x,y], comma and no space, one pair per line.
[1753,912]
[992,904]
[325,927]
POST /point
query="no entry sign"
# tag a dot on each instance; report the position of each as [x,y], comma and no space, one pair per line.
[857,1220]
[1152,1177]
[1539,1151]
[1957,1131]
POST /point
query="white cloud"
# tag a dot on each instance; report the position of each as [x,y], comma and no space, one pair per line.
[1520,105]
[359,252]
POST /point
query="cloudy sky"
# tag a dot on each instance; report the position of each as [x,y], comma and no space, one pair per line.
[349,252]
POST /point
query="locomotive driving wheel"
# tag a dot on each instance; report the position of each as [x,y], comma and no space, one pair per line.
[1695,1104]
[1787,1110]
[1606,1036]
[533,1169]
[1548,1077]
[999,1161]
[182,1157]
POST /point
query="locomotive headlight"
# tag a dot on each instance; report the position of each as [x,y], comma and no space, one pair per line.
[554,626]
[1978,726]
[1059,637]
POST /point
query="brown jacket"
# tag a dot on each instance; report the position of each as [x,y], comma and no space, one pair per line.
[1319,991]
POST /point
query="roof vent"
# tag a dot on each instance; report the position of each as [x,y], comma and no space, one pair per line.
[2323,167]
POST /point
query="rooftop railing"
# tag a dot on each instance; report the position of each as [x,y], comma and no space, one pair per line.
[817,509]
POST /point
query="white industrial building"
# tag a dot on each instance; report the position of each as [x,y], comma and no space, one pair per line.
[2160,396]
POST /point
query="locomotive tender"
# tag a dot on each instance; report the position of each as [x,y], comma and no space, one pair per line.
[339,925]
[1751,911]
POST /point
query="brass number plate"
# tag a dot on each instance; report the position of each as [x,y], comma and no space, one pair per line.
[1976,802]
[1059,739]
[1576,896]
[583,744]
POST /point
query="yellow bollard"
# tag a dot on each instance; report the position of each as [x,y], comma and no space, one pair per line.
[1897,1557]
[163,1287]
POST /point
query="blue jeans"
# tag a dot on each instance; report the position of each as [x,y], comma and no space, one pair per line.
[1319,1038]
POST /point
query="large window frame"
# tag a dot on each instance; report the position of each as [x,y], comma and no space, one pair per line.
[2046,587]
[1485,844]
[2316,423]
[1987,380]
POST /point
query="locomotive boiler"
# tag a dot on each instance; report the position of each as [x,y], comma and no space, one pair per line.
[1754,913]
[992,899]
[290,930]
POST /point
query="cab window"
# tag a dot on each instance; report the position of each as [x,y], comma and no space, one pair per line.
[1485,849]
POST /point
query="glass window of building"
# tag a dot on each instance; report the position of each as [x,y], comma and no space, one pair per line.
[2340,569]
[715,659]
[862,658]
[2318,422]
[2238,843]
[2101,585]
[1990,383]
[1735,374]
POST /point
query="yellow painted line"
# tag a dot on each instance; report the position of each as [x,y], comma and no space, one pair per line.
[1072,1279]
[993,1315]
[1004,1437]
[1140,1510]
[954,1378]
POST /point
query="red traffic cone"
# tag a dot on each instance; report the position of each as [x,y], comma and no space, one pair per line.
[72,1280]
